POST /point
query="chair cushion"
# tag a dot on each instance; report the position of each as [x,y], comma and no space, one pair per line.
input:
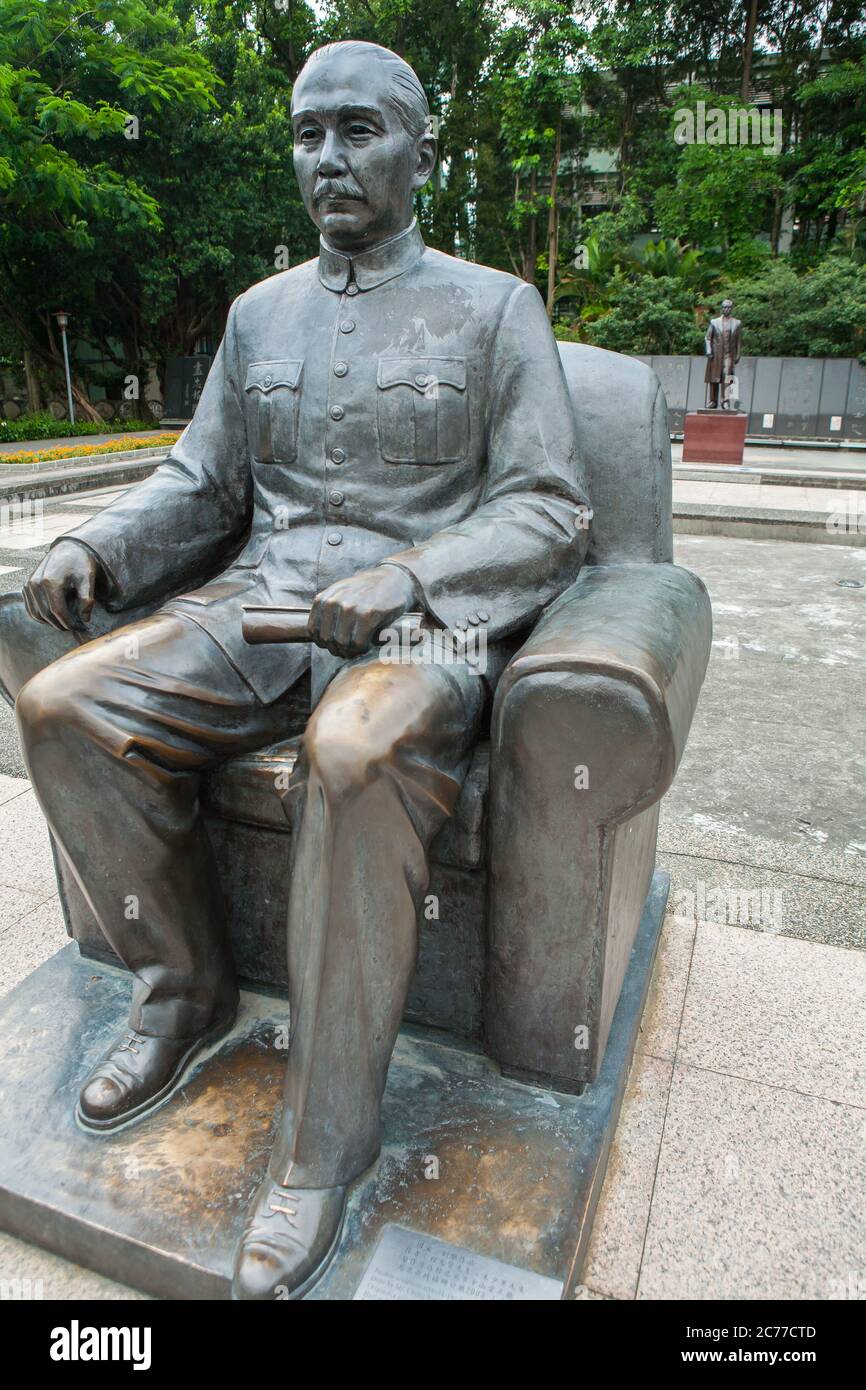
[251,789]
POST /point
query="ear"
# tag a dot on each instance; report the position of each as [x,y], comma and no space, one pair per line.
[426,151]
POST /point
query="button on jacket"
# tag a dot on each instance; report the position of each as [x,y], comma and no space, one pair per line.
[397,405]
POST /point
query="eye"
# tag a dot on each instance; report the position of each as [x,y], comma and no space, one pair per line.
[307,135]
[358,130]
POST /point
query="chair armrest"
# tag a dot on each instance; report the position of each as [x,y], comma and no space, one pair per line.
[589,724]
[645,628]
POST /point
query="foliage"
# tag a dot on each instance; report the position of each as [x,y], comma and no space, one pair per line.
[821,313]
[74,78]
[830,177]
[44,426]
[720,192]
[652,314]
[146,240]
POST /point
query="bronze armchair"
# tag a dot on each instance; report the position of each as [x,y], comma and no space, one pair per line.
[540,878]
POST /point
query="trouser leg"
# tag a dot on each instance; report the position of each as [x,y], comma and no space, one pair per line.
[116,735]
[381,766]
[27,646]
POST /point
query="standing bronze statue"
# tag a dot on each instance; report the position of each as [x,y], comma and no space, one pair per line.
[384,429]
[722,345]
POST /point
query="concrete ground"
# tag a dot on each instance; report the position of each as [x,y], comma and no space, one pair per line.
[800,455]
[830,500]
[745,510]
[804,456]
[738,1169]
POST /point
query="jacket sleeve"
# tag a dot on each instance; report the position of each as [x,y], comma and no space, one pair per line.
[525,541]
[176,526]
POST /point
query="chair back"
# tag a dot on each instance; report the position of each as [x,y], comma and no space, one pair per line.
[622,434]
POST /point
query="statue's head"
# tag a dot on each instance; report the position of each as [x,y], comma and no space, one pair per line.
[727,307]
[362,142]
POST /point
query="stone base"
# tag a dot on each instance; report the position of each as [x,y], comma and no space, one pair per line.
[714,436]
[497,1167]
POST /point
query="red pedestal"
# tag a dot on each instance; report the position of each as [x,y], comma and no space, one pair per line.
[715,436]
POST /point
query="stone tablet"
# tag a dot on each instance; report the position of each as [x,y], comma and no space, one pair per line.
[409,1266]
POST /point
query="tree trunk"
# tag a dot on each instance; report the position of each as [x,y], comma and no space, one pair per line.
[530,254]
[553,221]
[34,392]
[749,44]
[83,404]
[777,222]
[625,138]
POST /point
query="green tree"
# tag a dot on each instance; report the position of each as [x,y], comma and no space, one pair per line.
[230,209]
[722,191]
[821,313]
[539,97]
[652,314]
[75,78]
[831,171]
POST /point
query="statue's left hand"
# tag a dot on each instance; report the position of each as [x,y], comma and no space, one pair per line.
[347,616]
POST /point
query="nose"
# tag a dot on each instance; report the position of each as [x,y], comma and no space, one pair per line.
[332,162]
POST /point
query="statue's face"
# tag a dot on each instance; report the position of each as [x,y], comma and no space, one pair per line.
[356,165]
[727,307]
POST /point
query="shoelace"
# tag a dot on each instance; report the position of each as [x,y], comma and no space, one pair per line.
[286,1211]
[130,1044]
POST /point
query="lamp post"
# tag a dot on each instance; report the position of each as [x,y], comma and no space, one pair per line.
[62,320]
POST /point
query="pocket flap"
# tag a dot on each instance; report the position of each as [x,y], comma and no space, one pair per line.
[422,372]
[265,376]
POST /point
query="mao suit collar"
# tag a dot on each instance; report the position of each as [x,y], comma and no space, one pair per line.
[337,270]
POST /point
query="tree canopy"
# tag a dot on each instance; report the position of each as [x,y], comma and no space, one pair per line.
[146,164]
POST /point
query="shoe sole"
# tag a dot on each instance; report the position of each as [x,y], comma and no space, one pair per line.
[139,1112]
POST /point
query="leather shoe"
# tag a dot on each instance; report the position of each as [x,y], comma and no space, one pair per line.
[289,1238]
[137,1075]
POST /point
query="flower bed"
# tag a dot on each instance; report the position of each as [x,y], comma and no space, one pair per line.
[71,451]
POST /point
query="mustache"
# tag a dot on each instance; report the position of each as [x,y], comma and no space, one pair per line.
[337,188]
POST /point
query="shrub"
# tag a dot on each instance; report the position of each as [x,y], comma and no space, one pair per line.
[44,426]
[654,314]
[821,313]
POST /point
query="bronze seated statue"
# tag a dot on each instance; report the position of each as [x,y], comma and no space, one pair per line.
[385,430]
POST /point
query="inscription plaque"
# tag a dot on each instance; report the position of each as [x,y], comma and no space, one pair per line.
[411,1267]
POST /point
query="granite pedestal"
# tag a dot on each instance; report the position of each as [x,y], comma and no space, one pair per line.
[714,436]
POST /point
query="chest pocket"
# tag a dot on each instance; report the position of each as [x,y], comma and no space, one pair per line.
[272,394]
[422,409]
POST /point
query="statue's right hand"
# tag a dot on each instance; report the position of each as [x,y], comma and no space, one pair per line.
[62,589]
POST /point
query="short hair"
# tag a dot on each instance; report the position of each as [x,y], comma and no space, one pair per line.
[405,94]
